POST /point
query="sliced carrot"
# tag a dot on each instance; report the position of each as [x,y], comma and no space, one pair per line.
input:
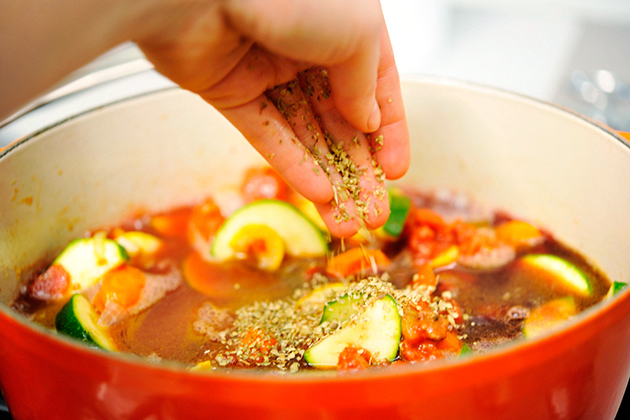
[549,315]
[518,234]
[122,285]
[356,260]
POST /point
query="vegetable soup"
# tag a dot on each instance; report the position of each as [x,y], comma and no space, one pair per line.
[252,280]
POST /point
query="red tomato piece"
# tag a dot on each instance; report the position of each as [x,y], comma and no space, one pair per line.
[262,183]
[353,358]
[51,284]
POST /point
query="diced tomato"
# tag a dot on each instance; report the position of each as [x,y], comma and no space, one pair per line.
[450,344]
[425,276]
[421,323]
[205,220]
[122,285]
[429,235]
[355,261]
[173,224]
[51,284]
[261,183]
[353,358]
[422,352]
[256,345]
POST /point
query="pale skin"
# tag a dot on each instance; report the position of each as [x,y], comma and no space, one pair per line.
[233,53]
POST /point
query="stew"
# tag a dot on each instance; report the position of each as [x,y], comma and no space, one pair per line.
[252,280]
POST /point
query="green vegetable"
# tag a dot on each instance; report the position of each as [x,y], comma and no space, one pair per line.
[78,319]
[615,288]
[377,330]
[399,205]
[565,272]
[87,260]
[301,236]
[341,309]
[465,350]
[136,243]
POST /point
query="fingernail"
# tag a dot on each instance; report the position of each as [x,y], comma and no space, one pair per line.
[374,122]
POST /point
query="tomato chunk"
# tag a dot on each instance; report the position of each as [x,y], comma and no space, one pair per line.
[353,358]
[52,284]
[262,183]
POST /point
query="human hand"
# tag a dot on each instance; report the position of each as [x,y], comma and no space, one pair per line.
[252,58]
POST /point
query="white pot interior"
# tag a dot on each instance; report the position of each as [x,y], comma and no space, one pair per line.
[170,148]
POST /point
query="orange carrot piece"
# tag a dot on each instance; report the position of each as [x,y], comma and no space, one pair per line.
[355,260]
[518,234]
[122,285]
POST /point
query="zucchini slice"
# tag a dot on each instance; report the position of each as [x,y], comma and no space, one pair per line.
[78,319]
[377,330]
[139,243]
[562,270]
[86,260]
[615,288]
[301,236]
[341,309]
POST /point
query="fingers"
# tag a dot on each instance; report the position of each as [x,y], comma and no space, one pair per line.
[361,186]
[391,140]
[270,134]
[343,36]
[340,213]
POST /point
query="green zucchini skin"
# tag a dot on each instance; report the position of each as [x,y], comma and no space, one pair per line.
[78,319]
[301,236]
[377,330]
[81,261]
[568,274]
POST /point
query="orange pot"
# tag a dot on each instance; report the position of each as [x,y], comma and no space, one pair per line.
[168,148]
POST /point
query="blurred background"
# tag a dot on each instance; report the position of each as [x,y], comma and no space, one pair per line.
[575,53]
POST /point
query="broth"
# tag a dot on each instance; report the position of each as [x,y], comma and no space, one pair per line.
[458,287]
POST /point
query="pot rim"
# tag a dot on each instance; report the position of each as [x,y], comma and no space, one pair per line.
[615,308]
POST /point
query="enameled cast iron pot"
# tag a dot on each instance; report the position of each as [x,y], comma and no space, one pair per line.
[169,148]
